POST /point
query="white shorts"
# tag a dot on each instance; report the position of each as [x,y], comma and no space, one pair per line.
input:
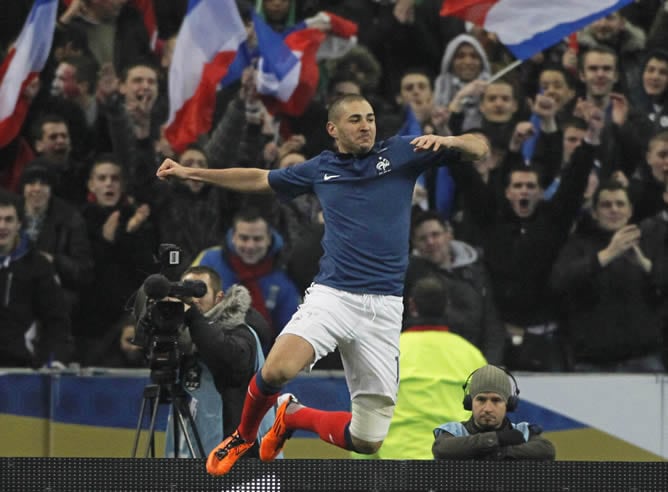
[365,328]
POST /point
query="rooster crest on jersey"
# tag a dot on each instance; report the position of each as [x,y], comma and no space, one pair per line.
[383,166]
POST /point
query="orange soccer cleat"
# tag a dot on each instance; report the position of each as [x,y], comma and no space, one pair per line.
[225,455]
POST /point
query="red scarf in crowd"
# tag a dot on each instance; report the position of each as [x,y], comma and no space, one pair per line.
[249,276]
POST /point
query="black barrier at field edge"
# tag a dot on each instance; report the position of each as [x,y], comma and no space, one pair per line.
[162,474]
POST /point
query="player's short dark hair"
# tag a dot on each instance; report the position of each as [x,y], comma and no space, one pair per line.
[335,107]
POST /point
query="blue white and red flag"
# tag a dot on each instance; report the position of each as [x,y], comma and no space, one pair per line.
[288,73]
[22,65]
[206,46]
[526,27]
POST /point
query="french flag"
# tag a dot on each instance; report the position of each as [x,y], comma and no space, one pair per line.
[207,43]
[288,73]
[22,65]
[526,27]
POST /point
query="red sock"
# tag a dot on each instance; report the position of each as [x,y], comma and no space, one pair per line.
[256,406]
[330,426]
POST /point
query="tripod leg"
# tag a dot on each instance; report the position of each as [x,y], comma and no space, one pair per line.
[151,431]
[150,396]
[139,422]
[183,410]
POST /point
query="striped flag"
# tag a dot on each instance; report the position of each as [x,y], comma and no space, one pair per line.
[526,27]
[288,73]
[208,40]
[22,65]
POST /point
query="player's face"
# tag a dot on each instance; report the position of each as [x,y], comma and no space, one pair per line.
[489,410]
[251,240]
[355,128]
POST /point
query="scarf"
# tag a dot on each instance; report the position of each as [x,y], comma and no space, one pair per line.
[249,276]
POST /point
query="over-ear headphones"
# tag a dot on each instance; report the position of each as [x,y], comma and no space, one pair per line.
[513,400]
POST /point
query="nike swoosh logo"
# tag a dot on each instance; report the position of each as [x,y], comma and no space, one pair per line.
[327,177]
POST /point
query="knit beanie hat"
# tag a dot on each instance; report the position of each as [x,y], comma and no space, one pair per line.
[490,379]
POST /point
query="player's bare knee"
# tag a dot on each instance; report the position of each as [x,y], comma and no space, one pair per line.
[277,374]
[287,358]
[370,422]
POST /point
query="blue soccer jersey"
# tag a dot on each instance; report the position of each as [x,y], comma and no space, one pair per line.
[366,202]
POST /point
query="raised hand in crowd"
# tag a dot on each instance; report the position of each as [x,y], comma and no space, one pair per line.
[440,117]
[31,89]
[621,178]
[475,88]
[523,131]
[404,11]
[111,226]
[76,8]
[569,60]
[294,143]
[623,240]
[107,83]
[594,117]
[162,145]
[545,107]
[140,216]
[620,108]
[270,153]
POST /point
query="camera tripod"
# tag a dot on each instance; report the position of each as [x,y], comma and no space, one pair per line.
[174,394]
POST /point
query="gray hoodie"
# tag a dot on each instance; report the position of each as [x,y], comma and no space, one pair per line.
[447,84]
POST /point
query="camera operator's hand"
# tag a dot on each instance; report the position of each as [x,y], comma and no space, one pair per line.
[187,302]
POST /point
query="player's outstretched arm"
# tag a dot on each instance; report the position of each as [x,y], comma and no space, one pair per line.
[471,146]
[234,178]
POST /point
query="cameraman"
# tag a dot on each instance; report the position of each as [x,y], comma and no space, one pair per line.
[221,352]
